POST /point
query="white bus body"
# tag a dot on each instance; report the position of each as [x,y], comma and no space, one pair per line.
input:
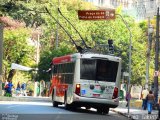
[88,80]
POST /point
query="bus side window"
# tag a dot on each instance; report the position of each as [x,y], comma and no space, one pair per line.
[60,68]
[64,68]
[55,69]
[69,73]
[72,67]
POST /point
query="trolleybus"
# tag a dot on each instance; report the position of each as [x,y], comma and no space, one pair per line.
[86,80]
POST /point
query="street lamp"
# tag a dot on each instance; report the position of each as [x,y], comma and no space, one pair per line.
[150,29]
[130,57]
[150,32]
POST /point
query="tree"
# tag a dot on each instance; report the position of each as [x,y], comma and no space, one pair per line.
[33,13]
[46,59]
[16,49]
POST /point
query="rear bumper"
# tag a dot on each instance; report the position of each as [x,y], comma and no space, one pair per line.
[95,101]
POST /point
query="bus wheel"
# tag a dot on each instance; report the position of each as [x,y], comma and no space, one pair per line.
[67,107]
[105,110]
[55,104]
[99,110]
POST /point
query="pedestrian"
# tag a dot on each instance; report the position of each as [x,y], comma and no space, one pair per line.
[6,82]
[18,89]
[23,86]
[9,88]
[128,97]
[143,97]
[150,100]
[5,85]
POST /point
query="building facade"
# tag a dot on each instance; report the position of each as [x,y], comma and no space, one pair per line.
[139,9]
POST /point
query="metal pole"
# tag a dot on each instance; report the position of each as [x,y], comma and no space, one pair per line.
[37,54]
[1,56]
[57,26]
[148,52]
[156,58]
[130,58]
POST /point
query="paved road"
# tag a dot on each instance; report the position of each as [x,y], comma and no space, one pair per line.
[12,110]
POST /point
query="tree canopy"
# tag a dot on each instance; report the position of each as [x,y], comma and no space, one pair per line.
[33,13]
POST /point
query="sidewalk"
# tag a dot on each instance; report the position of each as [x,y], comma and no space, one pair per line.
[135,112]
[25,99]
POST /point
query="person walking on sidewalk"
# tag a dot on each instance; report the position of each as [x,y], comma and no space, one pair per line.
[150,101]
[143,97]
[128,97]
[8,88]
[23,86]
[18,89]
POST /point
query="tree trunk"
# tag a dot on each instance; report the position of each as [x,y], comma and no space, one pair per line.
[11,74]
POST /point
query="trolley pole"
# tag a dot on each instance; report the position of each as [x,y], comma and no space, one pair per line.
[150,33]
[156,58]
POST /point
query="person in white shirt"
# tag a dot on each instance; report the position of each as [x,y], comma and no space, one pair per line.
[144,94]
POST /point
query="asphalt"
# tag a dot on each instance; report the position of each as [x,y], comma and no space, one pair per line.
[133,113]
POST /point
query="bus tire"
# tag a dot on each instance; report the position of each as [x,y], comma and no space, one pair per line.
[99,110]
[67,107]
[105,110]
[55,104]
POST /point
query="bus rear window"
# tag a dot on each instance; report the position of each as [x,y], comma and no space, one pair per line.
[96,69]
[88,69]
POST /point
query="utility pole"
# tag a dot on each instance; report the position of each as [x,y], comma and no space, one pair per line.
[150,32]
[1,56]
[156,58]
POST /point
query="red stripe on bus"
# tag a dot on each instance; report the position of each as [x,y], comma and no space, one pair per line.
[63,59]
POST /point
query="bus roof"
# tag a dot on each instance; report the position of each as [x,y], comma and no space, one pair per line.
[100,56]
[73,57]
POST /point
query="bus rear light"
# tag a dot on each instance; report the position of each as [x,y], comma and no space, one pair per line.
[115,93]
[78,87]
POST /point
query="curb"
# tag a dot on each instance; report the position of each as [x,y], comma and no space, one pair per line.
[123,114]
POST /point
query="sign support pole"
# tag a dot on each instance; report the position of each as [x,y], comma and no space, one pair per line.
[156,58]
[130,59]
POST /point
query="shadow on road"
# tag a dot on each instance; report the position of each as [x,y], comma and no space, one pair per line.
[83,110]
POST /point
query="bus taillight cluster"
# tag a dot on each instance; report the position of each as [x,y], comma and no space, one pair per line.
[115,93]
[78,87]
